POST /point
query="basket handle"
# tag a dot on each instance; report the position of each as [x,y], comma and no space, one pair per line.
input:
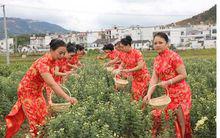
[158,85]
[66,90]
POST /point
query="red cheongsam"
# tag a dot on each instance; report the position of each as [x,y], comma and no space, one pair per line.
[112,55]
[74,60]
[141,77]
[165,65]
[62,64]
[31,103]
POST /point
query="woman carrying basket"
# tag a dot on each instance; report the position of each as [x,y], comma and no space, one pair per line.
[31,103]
[133,64]
[170,72]
[62,70]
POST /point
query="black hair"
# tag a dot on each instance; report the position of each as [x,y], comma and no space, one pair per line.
[56,43]
[162,35]
[117,43]
[71,48]
[108,47]
[126,41]
[79,47]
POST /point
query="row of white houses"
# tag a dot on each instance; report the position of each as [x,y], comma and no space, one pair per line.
[189,37]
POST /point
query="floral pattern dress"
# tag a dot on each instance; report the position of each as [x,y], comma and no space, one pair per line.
[165,65]
[74,60]
[31,103]
[141,77]
[63,66]
[112,55]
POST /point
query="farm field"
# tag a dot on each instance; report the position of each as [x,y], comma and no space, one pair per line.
[102,113]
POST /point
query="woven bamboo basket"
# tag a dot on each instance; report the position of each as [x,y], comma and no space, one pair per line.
[61,107]
[120,84]
[160,102]
[115,72]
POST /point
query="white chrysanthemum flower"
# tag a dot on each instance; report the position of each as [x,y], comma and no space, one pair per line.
[200,123]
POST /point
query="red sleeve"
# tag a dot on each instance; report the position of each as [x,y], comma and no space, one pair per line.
[176,60]
[57,63]
[42,67]
[108,55]
[111,55]
[139,56]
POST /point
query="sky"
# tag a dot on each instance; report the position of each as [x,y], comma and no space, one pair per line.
[91,15]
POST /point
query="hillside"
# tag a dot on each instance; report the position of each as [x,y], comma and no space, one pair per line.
[207,17]
[17,26]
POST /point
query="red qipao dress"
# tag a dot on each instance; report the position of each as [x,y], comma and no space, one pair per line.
[31,103]
[165,65]
[141,77]
[74,60]
[112,55]
[62,66]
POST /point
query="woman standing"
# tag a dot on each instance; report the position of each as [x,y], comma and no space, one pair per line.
[170,72]
[31,103]
[133,63]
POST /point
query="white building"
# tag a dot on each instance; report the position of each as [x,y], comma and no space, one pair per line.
[3,45]
[37,40]
[118,32]
[141,44]
[92,37]
[147,33]
[81,38]
[213,32]
[99,43]
[176,35]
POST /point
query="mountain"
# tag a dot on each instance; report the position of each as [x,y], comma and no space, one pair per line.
[207,17]
[18,26]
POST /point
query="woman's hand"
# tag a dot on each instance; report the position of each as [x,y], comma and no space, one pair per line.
[106,65]
[146,98]
[68,73]
[76,75]
[50,102]
[72,100]
[125,70]
[164,84]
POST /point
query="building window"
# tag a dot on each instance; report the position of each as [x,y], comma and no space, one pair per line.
[214,31]
[182,33]
[2,43]
[182,40]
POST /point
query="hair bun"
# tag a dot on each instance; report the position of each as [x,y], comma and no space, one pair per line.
[52,41]
[128,38]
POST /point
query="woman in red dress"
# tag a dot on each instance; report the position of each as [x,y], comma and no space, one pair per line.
[75,62]
[110,53]
[133,64]
[62,69]
[169,72]
[31,103]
